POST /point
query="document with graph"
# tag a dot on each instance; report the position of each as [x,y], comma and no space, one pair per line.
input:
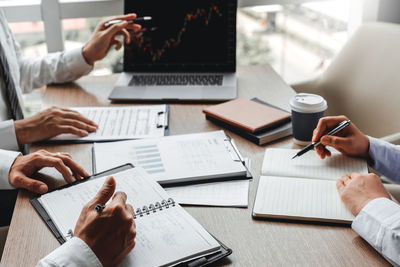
[303,188]
[121,123]
[209,156]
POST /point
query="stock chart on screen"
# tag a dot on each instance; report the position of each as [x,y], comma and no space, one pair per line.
[190,35]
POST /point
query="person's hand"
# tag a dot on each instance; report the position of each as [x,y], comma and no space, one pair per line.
[24,166]
[110,234]
[105,37]
[350,141]
[50,123]
[356,190]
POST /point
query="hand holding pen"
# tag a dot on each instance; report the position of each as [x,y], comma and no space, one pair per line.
[349,141]
[316,143]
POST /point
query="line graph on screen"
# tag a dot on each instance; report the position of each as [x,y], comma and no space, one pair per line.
[145,45]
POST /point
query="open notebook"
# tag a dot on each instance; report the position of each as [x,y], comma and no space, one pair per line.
[166,233]
[210,156]
[303,188]
[120,123]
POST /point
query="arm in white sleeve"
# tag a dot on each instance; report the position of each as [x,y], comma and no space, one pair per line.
[386,158]
[7,159]
[379,224]
[8,139]
[75,252]
[54,68]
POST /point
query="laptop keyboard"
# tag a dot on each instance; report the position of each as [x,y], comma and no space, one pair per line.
[215,80]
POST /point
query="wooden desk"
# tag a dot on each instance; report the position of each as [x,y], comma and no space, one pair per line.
[254,243]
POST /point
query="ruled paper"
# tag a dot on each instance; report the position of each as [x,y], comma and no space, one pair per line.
[298,198]
[279,162]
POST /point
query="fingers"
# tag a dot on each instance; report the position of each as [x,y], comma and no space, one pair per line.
[336,141]
[80,125]
[22,181]
[76,169]
[340,185]
[325,124]
[117,43]
[105,192]
[75,115]
[45,160]
[114,29]
[119,198]
[72,130]
[130,16]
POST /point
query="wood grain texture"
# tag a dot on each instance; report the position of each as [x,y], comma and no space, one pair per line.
[254,242]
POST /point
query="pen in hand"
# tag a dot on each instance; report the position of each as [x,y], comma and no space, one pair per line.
[115,21]
[337,129]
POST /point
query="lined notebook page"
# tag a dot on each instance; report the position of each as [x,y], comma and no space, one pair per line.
[297,198]
[279,162]
[163,237]
[227,194]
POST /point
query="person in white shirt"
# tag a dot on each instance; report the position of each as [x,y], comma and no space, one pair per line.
[91,245]
[28,74]
[377,215]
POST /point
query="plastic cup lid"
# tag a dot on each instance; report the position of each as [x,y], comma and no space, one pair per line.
[308,103]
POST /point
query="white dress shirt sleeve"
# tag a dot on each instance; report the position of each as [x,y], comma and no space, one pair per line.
[57,67]
[8,139]
[7,159]
[75,252]
[379,224]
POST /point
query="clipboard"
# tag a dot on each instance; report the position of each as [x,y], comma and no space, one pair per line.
[206,260]
[162,122]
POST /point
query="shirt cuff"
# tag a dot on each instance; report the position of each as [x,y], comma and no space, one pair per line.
[378,213]
[75,252]
[7,160]
[76,62]
[8,136]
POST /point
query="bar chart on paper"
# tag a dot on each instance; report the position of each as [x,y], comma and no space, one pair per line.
[148,157]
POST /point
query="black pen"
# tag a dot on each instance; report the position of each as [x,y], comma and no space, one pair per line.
[115,21]
[338,128]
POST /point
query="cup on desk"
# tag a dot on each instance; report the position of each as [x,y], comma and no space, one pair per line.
[307,109]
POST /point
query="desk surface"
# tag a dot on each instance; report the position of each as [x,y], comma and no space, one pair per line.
[254,242]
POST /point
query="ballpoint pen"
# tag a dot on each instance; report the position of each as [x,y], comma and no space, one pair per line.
[115,21]
[338,128]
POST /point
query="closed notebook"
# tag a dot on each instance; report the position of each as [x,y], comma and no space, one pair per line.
[248,115]
[303,188]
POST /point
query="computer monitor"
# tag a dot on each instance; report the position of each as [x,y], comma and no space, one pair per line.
[183,36]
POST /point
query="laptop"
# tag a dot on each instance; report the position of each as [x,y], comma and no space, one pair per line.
[186,52]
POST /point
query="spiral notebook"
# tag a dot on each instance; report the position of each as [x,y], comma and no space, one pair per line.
[166,233]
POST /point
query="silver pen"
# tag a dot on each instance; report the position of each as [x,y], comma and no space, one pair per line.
[115,21]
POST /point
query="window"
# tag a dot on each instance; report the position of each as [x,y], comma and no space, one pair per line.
[298,40]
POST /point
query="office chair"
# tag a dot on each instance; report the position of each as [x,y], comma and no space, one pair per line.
[363,81]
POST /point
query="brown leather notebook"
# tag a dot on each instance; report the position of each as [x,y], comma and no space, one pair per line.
[247,115]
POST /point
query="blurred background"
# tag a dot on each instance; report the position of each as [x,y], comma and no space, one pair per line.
[297,38]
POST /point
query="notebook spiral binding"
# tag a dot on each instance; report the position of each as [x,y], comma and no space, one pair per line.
[152,208]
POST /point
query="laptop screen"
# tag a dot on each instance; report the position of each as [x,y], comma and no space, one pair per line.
[183,35]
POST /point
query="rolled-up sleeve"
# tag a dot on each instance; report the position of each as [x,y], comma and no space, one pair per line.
[379,224]
[385,158]
[7,160]
[75,252]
